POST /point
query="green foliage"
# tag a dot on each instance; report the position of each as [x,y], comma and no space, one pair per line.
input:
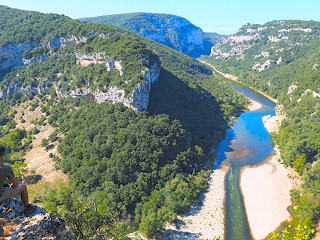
[145,165]
[110,43]
[34,27]
[298,137]
[299,163]
[147,24]
[84,218]
[301,233]
[103,146]
[285,235]
[13,141]
[34,131]
[44,142]
[120,158]
[20,168]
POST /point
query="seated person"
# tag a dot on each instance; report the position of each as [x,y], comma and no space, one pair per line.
[15,188]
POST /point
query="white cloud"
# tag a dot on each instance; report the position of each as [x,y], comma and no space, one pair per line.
[223,30]
[227,29]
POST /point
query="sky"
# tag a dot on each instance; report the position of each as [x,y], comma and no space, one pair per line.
[221,16]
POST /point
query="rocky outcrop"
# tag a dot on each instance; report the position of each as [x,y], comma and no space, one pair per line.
[264,66]
[263,47]
[66,41]
[99,58]
[11,55]
[138,100]
[39,225]
[39,87]
[179,34]
[173,31]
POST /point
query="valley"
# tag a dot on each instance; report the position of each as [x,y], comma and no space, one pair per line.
[145,125]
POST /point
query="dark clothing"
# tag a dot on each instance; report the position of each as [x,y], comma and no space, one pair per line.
[5,171]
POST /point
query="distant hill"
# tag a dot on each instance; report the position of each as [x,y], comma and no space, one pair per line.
[260,54]
[210,39]
[282,59]
[173,31]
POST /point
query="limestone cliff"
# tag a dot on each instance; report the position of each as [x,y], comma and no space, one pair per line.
[261,47]
[11,55]
[138,99]
[173,31]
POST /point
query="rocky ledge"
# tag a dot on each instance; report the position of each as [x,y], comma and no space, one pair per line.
[39,225]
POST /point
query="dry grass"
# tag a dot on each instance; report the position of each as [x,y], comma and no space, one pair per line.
[38,160]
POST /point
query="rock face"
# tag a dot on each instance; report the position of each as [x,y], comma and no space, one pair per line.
[139,99]
[15,225]
[187,37]
[170,30]
[11,55]
[279,38]
[99,58]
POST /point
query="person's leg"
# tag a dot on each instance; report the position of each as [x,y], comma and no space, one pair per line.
[8,192]
[24,195]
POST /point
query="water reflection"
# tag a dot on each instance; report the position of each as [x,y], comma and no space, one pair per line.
[246,143]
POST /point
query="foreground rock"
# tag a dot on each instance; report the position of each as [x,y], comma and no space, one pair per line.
[39,225]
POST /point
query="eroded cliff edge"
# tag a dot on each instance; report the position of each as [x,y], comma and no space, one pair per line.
[137,99]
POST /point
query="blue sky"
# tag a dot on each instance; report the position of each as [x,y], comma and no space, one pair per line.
[222,16]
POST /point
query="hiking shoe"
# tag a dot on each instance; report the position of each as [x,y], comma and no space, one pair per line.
[30,210]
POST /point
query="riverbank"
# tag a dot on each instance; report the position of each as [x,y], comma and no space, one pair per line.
[254,105]
[235,78]
[205,220]
[266,192]
[266,187]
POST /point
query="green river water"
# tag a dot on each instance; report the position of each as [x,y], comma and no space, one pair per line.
[246,143]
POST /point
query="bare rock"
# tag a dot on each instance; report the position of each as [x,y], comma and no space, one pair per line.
[39,225]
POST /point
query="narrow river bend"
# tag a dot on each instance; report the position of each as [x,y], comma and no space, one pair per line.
[246,143]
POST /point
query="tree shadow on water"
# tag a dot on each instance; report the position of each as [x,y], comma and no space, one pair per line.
[225,147]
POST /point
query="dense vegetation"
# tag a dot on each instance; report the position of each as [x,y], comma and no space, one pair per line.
[144,167]
[167,29]
[119,158]
[293,78]
[33,27]
[96,40]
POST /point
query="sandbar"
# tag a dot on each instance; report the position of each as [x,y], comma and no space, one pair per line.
[254,105]
[266,189]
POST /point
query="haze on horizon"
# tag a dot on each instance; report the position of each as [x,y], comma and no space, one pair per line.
[223,17]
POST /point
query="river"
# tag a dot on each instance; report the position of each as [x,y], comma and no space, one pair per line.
[246,143]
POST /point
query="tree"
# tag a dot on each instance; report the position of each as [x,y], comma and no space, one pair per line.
[44,142]
[19,168]
[300,163]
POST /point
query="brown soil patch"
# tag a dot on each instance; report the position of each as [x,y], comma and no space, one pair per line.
[37,159]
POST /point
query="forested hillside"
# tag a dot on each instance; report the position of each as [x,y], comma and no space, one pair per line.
[141,167]
[173,31]
[282,58]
